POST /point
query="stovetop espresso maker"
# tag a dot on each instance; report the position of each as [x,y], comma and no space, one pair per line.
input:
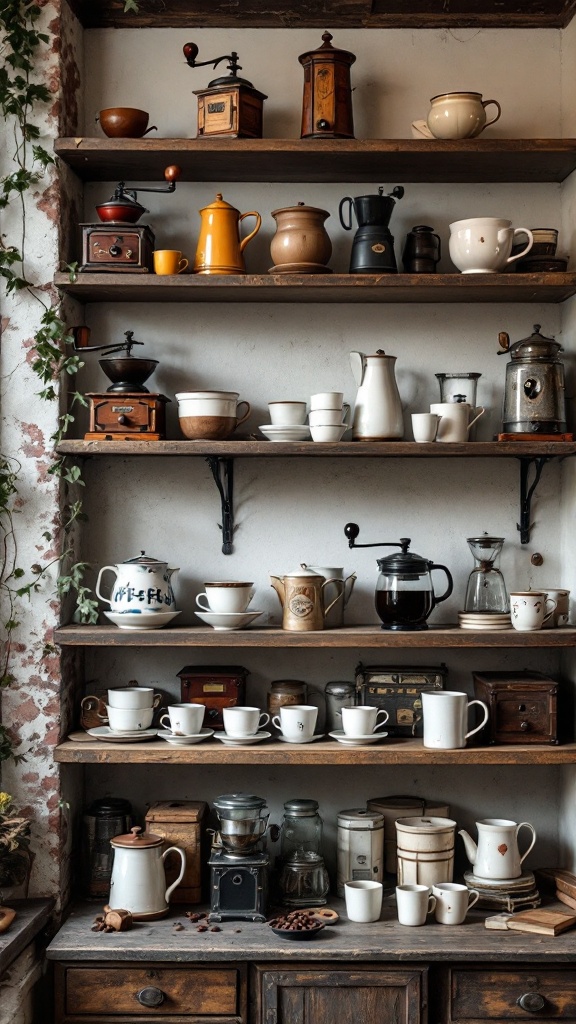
[373,245]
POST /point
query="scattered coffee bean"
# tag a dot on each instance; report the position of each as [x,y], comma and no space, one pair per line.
[215,928]
[178,927]
[202,928]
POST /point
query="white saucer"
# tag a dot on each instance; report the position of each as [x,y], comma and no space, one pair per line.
[104,732]
[183,741]
[317,736]
[356,741]
[141,620]
[279,432]
[242,741]
[228,620]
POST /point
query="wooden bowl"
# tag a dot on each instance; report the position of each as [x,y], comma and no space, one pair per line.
[124,122]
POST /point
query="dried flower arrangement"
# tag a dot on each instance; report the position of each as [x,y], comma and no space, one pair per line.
[14,844]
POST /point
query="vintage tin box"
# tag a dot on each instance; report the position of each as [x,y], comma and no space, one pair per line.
[398,690]
[216,686]
[523,707]
[180,823]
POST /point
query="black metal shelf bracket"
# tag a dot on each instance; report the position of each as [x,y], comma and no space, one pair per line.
[527,491]
[223,473]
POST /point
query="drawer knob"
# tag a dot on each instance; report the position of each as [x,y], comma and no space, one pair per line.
[532,1001]
[150,997]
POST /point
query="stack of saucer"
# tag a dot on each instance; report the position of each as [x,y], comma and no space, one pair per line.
[507,894]
[484,620]
[286,432]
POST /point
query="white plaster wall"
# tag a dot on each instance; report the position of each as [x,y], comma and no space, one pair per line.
[293,512]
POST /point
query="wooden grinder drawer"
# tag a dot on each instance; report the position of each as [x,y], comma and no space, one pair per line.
[513,995]
[132,991]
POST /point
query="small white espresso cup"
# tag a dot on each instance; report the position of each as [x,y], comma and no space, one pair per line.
[244,721]
[327,400]
[482,245]
[453,901]
[287,413]
[133,697]
[129,719]
[425,426]
[226,596]
[414,903]
[530,609]
[455,420]
[296,722]
[363,720]
[446,719]
[363,900]
[184,719]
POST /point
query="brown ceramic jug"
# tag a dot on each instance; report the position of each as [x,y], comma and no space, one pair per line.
[301,240]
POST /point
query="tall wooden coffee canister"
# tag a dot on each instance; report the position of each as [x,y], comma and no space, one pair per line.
[327,101]
[425,850]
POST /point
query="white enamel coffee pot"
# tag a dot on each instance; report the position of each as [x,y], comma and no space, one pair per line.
[138,882]
[497,854]
[378,409]
[142,584]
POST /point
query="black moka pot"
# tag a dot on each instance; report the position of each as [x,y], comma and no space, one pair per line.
[373,245]
[405,595]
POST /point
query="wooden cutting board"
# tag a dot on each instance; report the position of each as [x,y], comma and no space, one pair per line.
[543,922]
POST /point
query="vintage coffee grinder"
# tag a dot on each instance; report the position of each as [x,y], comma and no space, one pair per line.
[239,864]
[230,106]
[534,389]
[118,243]
[127,411]
[327,100]
[373,245]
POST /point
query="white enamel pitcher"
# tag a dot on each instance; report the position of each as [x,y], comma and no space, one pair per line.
[378,410]
[138,882]
[497,854]
[142,584]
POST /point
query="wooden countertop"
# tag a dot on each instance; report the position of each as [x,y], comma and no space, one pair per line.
[31,916]
[385,940]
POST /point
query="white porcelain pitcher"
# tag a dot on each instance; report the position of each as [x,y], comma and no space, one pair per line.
[497,854]
[378,410]
[138,882]
[143,584]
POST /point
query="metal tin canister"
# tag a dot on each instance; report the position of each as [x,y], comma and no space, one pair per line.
[394,807]
[284,692]
[360,847]
[338,695]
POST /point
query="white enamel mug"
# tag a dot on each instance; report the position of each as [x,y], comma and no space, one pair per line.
[363,900]
[482,245]
[414,903]
[455,420]
[446,719]
[530,609]
[453,901]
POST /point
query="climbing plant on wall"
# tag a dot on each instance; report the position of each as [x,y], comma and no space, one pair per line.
[21,96]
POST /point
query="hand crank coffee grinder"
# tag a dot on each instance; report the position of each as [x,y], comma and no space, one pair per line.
[534,390]
[230,106]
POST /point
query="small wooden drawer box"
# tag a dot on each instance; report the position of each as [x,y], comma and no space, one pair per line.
[511,994]
[180,823]
[523,707]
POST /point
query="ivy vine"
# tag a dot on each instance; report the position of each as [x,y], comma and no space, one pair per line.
[53,359]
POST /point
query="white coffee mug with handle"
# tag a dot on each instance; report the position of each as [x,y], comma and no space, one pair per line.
[446,717]
[483,245]
[455,420]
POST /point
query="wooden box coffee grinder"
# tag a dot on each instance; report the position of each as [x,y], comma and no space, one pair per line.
[230,106]
[180,823]
[127,411]
[327,100]
[215,686]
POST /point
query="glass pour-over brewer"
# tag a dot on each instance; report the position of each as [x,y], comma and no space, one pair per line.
[405,595]
[486,591]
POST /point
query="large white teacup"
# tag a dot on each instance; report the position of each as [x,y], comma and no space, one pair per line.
[455,420]
[482,245]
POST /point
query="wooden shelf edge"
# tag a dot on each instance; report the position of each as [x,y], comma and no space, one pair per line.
[391,751]
[274,637]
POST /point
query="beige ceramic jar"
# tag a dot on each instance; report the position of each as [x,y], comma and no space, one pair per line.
[301,240]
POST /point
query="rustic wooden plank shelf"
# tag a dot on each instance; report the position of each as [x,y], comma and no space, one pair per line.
[308,160]
[333,288]
[82,749]
[349,637]
[315,449]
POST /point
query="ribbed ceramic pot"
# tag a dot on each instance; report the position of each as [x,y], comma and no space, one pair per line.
[300,236]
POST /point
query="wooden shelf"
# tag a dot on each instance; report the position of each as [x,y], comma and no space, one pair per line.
[184,14]
[316,449]
[349,637]
[307,160]
[333,288]
[83,749]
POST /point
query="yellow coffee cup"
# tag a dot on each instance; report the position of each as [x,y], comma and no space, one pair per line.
[169,261]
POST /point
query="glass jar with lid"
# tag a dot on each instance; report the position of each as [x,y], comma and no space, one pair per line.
[301,828]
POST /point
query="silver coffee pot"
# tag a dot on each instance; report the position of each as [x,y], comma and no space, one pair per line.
[534,388]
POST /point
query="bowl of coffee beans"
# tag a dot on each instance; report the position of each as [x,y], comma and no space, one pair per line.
[298,925]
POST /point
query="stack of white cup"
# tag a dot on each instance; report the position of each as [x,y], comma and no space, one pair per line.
[131,708]
[327,416]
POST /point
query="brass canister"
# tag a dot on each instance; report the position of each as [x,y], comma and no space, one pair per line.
[284,692]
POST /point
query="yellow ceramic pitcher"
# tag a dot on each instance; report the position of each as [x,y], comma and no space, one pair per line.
[220,247]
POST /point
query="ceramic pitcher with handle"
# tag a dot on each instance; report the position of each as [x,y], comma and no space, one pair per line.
[220,248]
[378,409]
[497,854]
[301,594]
[138,882]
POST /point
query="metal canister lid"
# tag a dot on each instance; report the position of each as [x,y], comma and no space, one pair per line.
[301,808]
[340,689]
[360,819]
[426,824]
[110,807]
[239,802]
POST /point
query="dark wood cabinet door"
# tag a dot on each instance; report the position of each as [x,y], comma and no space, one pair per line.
[339,995]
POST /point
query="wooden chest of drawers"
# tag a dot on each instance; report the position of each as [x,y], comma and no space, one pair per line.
[509,994]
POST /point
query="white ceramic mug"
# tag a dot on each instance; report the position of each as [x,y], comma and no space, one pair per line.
[129,719]
[327,400]
[363,720]
[296,721]
[226,596]
[530,609]
[453,901]
[244,721]
[561,613]
[446,717]
[287,413]
[134,697]
[363,900]
[184,719]
[455,420]
[459,115]
[414,903]
[425,426]
[482,245]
